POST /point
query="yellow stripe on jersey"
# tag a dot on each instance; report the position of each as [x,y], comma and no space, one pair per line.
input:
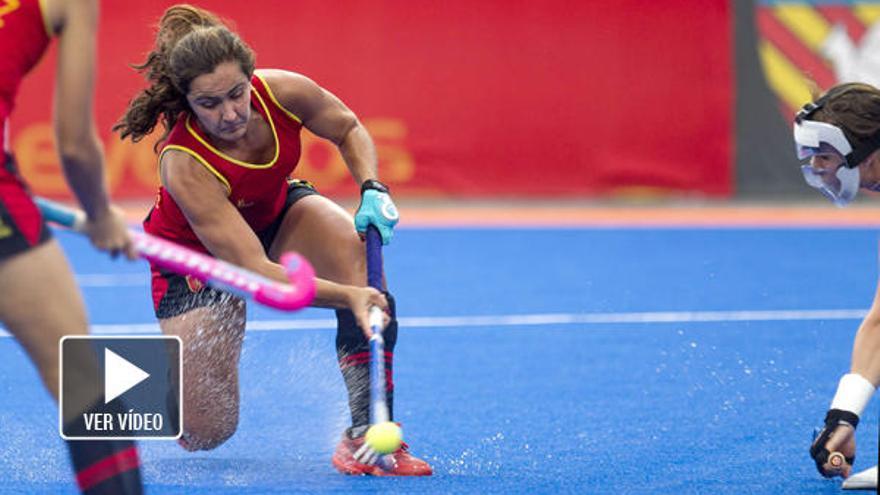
[275,100]
[47,23]
[233,160]
[199,159]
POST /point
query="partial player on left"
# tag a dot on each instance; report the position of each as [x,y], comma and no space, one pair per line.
[33,270]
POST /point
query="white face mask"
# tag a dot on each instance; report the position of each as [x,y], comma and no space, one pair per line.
[840,187]
[839,183]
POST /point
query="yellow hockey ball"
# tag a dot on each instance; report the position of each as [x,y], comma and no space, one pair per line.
[384,438]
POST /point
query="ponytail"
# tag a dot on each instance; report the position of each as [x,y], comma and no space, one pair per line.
[189,42]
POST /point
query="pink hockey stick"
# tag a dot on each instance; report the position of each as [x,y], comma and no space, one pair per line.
[212,271]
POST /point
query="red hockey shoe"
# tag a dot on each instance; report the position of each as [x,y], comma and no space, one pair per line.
[398,463]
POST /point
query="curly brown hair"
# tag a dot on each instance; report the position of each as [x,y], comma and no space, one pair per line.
[189,42]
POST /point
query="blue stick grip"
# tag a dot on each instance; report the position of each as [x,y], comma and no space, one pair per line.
[374,258]
[59,214]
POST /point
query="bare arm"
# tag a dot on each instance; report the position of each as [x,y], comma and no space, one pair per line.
[327,116]
[78,142]
[866,347]
[222,230]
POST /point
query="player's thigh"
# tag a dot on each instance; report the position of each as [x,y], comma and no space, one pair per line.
[41,301]
[212,338]
[324,233]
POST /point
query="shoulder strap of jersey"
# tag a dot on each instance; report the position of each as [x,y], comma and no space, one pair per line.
[263,88]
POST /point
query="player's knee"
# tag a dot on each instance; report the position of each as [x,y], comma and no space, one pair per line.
[208,431]
[208,436]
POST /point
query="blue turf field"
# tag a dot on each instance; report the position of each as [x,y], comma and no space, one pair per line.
[578,361]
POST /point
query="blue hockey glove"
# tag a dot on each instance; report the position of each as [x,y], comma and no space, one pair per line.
[376,209]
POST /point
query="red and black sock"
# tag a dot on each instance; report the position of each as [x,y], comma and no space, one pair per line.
[106,466]
[353,353]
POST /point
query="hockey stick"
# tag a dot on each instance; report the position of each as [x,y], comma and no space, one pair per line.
[383,436]
[216,273]
[378,407]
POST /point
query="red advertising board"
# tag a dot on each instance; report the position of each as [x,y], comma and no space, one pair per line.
[480,98]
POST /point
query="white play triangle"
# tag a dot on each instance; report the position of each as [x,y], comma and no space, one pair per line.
[119,375]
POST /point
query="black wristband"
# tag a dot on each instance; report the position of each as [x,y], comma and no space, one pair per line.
[835,416]
[375,185]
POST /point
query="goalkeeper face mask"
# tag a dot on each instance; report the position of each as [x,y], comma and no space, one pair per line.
[823,148]
[830,161]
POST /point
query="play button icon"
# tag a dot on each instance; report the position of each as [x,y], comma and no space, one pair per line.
[115,387]
[119,375]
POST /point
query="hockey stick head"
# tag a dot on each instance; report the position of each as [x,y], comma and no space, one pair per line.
[298,294]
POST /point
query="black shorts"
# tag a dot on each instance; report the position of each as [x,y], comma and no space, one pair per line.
[21,224]
[175,294]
